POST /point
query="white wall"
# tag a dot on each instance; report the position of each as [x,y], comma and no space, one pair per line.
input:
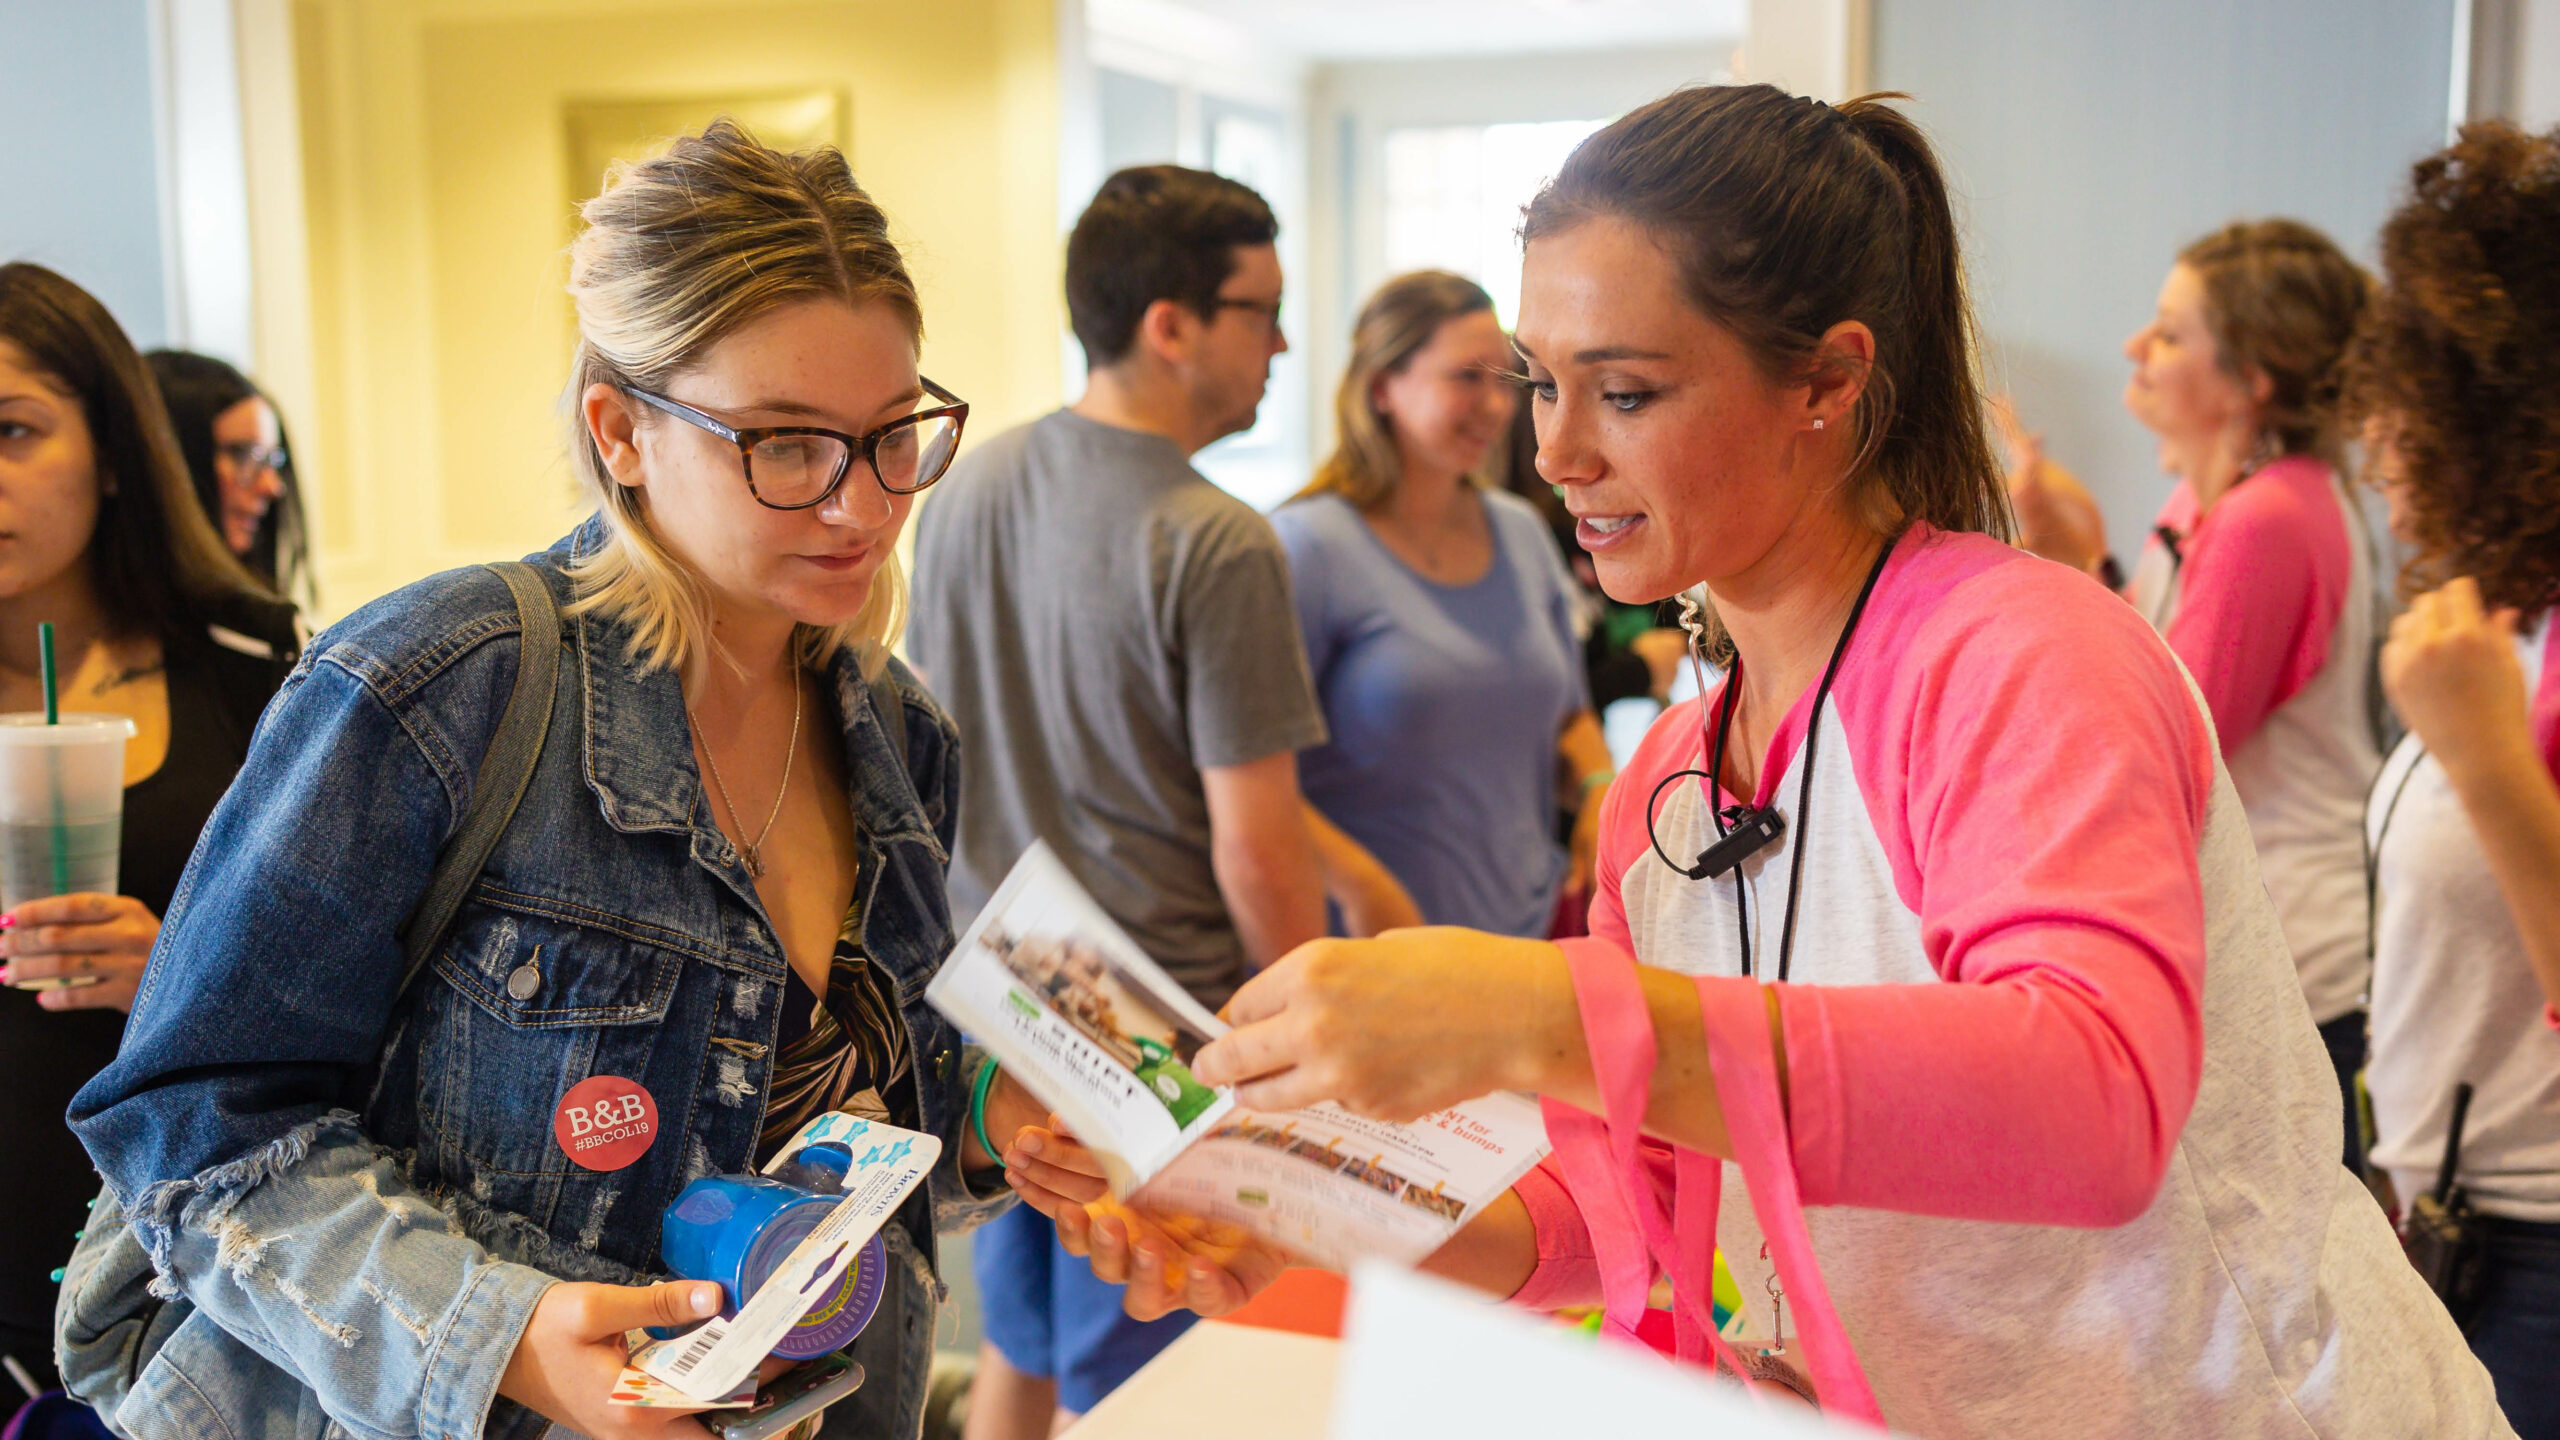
[2088,142]
[2514,61]
[1353,104]
[82,194]
[2537,60]
[1205,61]
[206,173]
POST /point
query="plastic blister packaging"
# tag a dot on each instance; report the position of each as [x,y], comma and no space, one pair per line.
[739,1229]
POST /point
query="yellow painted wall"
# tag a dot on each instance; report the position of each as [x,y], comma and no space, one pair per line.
[437,206]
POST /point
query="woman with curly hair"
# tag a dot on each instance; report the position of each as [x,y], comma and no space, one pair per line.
[2457,379]
[2259,573]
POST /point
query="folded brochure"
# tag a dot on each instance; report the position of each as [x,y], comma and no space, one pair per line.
[1072,1008]
[710,1363]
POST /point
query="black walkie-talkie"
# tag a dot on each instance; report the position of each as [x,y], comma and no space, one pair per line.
[1754,830]
[2440,1233]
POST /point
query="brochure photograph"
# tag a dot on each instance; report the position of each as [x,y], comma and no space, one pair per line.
[1081,1016]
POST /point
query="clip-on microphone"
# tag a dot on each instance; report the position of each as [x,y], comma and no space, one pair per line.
[1754,830]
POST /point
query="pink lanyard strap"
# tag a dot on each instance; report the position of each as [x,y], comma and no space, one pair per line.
[1633,1235]
[1745,1062]
[1618,1026]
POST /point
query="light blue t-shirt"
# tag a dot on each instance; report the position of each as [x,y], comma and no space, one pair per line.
[1444,704]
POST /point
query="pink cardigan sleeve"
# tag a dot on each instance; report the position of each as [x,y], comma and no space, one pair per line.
[2265,578]
[2041,790]
[1568,1273]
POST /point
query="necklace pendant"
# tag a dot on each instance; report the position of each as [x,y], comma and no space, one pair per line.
[754,861]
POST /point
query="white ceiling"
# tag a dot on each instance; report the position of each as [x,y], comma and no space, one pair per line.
[1379,29]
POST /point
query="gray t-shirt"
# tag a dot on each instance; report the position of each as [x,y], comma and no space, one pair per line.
[1103,623]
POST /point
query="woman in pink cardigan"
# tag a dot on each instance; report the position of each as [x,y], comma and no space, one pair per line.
[2259,573]
[1940,918]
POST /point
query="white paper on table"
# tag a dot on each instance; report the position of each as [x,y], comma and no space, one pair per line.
[1423,1357]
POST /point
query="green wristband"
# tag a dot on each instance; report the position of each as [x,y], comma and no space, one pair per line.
[978,1109]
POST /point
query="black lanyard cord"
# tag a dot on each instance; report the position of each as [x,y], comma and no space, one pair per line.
[2373,854]
[1804,783]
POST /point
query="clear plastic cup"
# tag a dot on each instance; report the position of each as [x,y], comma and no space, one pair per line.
[61,805]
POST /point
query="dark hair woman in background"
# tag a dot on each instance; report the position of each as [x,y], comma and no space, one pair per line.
[155,620]
[2458,377]
[233,439]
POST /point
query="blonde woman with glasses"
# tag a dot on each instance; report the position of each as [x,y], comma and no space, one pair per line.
[723,887]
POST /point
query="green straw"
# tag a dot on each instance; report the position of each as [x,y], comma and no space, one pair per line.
[53,716]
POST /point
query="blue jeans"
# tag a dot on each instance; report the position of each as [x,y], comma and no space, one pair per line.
[2516,1328]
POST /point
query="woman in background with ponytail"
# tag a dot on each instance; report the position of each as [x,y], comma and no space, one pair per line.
[1987,1001]
[2259,573]
[2457,375]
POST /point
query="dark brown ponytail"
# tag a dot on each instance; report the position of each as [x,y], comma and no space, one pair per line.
[1789,216]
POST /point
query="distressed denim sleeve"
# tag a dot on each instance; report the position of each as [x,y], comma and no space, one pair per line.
[222,1125]
[314,1253]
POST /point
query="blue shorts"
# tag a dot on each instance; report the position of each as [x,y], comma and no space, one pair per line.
[1049,1315]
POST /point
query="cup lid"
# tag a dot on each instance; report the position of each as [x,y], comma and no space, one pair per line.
[27,727]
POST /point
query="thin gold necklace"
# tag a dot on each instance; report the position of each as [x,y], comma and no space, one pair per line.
[751,853]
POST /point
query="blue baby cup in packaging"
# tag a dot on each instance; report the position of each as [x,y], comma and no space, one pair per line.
[739,1229]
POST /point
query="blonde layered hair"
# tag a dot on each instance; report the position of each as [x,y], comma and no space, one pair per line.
[678,253]
[1365,466]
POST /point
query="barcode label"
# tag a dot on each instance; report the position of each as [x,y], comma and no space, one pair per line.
[710,1336]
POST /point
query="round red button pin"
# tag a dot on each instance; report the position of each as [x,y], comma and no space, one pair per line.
[605,1122]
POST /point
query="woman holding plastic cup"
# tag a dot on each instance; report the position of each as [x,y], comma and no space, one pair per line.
[433,1202]
[160,634]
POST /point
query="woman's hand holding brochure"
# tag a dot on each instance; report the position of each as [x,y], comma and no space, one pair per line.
[1168,1261]
[1210,1196]
[1397,1027]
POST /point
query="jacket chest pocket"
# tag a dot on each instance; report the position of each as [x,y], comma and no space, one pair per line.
[529,1006]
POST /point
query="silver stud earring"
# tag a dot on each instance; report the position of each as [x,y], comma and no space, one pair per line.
[1817,422]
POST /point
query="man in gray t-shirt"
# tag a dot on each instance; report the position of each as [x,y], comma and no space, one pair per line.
[1104,625]
[1115,638]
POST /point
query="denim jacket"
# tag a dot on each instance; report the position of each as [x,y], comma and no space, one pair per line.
[351,1204]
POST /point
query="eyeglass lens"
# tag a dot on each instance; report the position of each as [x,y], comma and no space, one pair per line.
[252,458]
[798,469]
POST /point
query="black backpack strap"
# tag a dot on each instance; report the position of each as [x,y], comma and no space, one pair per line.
[504,772]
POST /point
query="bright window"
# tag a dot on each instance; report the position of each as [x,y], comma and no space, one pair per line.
[1454,194]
